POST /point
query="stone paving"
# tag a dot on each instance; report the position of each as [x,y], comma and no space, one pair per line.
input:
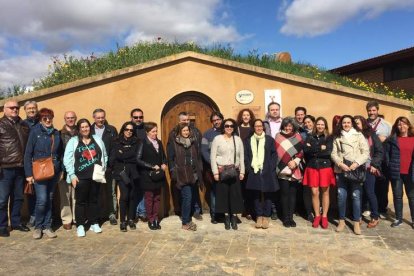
[212,250]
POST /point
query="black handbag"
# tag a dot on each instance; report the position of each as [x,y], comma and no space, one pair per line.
[229,172]
[358,175]
[157,175]
[124,176]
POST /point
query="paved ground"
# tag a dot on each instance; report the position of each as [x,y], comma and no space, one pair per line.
[214,251]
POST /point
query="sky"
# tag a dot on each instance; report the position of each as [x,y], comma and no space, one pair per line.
[325,33]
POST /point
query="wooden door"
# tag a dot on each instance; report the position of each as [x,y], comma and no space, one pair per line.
[199,109]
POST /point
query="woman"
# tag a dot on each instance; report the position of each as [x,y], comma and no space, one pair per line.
[44,141]
[152,163]
[308,124]
[373,165]
[123,161]
[227,152]
[351,147]
[399,158]
[289,148]
[184,161]
[319,174]
[260,163]
[82,153]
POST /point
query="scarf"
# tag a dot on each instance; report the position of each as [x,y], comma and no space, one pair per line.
[257,143]
[349,133]
[289,147]
[186,142]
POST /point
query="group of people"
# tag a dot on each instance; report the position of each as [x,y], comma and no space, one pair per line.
[262,169]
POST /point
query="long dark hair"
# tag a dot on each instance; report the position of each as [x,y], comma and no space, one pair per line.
[78,124]
[338,129]
[240,117]
[405,120]
[235,131]
[123,127]
[366,128]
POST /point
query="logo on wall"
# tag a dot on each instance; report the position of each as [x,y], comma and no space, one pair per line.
[244,97]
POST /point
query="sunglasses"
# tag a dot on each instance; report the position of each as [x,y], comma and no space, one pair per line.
[13,107]
[129,129]
[228,126]
[47,118]
[138,117]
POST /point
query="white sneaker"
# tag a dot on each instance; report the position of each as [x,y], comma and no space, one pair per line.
[366,214]
[80,231]
[95,228]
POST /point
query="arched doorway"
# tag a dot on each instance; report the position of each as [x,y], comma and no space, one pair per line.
[199,107]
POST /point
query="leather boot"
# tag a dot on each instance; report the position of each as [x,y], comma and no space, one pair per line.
[259,222]
[265,224]
[340,226]
[227,222]
[357,228]
[233,222]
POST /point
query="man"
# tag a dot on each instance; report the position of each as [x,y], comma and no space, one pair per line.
[300,113]
[184,118]
[272,125]
[14,133]
[32,119]
[216,118]
[137,117]
[108,134]
[67,192]
[383,130]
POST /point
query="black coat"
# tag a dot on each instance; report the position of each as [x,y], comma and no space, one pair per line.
[376,151]
[392,159]
[315,157]
[147,158]
[265,180]
[124,157]
[108,137]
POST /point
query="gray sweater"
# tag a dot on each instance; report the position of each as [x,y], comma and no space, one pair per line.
[222,153]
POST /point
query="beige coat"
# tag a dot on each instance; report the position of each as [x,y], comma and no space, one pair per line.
[353,148]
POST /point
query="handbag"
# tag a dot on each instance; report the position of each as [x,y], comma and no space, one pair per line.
[157,175]
[28,189]
[124,176]
[98,174]
[229,172]
[358,175]
[43,168]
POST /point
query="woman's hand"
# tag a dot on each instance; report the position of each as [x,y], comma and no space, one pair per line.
[216,177]
[241,177]
[75,182]
[353,166]
[292,165]
[344,167]
[156,167]
[373,170]
[163,167]
[323,147]
[30,180]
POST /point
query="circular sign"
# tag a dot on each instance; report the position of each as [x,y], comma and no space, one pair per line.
[244,96]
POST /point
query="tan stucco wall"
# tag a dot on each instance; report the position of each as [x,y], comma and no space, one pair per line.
[152,88]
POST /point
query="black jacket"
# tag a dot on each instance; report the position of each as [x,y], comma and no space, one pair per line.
[376,151]
[148,157]
[315,157]
[392,159]
[124,157]
[108,136]
[13,139]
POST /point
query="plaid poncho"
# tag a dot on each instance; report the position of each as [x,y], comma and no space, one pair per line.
[289,147]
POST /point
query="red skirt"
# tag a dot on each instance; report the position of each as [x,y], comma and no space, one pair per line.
[319,177]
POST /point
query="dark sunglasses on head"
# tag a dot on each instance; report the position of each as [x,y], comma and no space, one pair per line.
[138,117]
[13,107]
[129,129]
[228,126]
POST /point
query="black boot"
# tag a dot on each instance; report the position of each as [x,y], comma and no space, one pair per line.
[157,225]
[152,226]
[132,225]
[234,222]
[227,222]
[213,218]
[123,226]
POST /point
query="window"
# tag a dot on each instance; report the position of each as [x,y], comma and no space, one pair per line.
[399,71]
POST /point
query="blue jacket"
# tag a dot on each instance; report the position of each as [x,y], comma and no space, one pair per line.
[392,159]
[206,142]
[69,157]
[39,146]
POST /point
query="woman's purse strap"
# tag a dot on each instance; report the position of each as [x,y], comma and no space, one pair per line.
[53,144]
[234,143]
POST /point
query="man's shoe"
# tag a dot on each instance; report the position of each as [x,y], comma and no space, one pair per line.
[396,223]
[132,225]
[67,226]
[37,234]
[152,226]
[21,227]
[113,221]
[49,233]
[341,226]
[213,219]
[80,231]
[198,216]
[227,222]
[4,232]
[123,226]
[292,223]
[96,228]
[157,225]
[286,223]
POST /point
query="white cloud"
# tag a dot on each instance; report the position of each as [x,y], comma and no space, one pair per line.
[32,31]
[317,17]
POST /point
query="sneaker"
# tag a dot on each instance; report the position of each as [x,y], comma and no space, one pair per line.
[366,214]
[95,228]
[383,215]
[80,231]
[198,216]
[37,234]
[31,222]
[49,232]
[112,220]
[396,223]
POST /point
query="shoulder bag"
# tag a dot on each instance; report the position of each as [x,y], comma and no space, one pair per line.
[229,172]
[43,168]
[98,174]
[358,175]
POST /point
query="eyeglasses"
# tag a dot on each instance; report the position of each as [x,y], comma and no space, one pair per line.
[228,126]
[47,118]
[259,126]
[13,107]
[138,117]
[129,129]
[216,120]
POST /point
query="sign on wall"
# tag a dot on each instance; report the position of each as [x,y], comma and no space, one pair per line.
[273,95]
[244,97]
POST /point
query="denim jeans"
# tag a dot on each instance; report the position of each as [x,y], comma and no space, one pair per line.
[11,186]
[196,199]
[44,196]
[213,198]
[31,202]
[345,187]
[369,190]
[397,191]
[262,203]
[187,201]
[141,212]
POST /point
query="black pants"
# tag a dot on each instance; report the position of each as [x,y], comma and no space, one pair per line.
[288,191]
[86,194]
[248,199]
[128,200]
[381,191]
[229,197]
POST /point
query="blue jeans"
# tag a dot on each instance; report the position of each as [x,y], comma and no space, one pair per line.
[213,198]
[345,187]
[262,203]
[187,201]
[44,196]
[196,199]
[141,212]
[11,186]
[397,192]
[369,189]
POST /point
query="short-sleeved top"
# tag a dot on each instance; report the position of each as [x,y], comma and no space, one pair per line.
[86,156]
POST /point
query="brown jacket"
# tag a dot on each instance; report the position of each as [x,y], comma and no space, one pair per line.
[13,139]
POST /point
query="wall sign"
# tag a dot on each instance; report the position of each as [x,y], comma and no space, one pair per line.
[244,97]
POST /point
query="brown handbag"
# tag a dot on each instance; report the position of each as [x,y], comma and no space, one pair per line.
[43,168]
[28,189]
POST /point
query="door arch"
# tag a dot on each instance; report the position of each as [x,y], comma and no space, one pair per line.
[199,107]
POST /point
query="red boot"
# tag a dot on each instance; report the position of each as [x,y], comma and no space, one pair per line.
[325,222]
[316,222]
